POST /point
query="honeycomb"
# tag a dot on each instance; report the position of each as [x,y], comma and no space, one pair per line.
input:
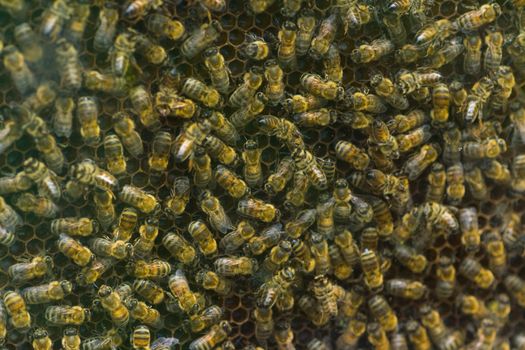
[34,237]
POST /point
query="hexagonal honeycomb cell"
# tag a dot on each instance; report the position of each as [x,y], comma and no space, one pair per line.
[34,237]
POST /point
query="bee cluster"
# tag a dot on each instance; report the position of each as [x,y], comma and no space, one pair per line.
[262,174]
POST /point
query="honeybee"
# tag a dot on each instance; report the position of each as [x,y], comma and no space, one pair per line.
[53,19]
[91,273]
[147,48]
[296,197]
[45,293]
[497,254]
[7,237]
[252,170]
[228,180]
[136,9]
[403,123]
[74,226]
[472,20]
[63,116]
[192,135]
[434,34]
[305,161]
[284,336]
[377,336]
[140,311]
[207,318]
[287,40]
[94,80]
[9,218]
[441,102]
[275,87]
[233,266]
[28,42]
[200,164]
[514,284]
[303,220]
[71,68]
[342,195]
[383,312]
[318,86]
[282,129]
[140,339]
[505,82]
[40,206]
[115,249]
[414,138]
[180,196]
[17,183]
[437,330]
[471,305]
[221,151]
[323,291]
[142,104]
[125,128]
[246,114]
[473,271]
[88,173]
[107,27]
[188,301]
[372,273]
[405,288]
[74,250]
[488,148]
[216,335]
[162,343]
[105,211]
[385,88]
[222,127]
[421,160]
[45,179]
[408,82]
[203,237]
[259,6]
[301,104]
[325,216]
[257,209]
[372,52]
[241,96]
[268,238]
[219,72]
[477,98]
[381,139]
[409,258]
[70,339]
[23,272]
[77,23]
[179,248]
[472,58]
[140,199]
[306,23]
[112,303]
[255,49]
[395,29]
[87,114]
[409,53]
[16,309]
[445,54]
[510,231]
[22,77]
[353,331]
[148,233]
[278,256]
[455,183]
[167,103]
[160,151]
[200,39]
[318,118]
[114,153]
[164,26]
[264,324]
[496,171]
[67,315]
[112,338]
[470,237]
[209,280]
[277,181]
[152,269]
[218,218]
[436,180]
[417,335]
[325,36]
